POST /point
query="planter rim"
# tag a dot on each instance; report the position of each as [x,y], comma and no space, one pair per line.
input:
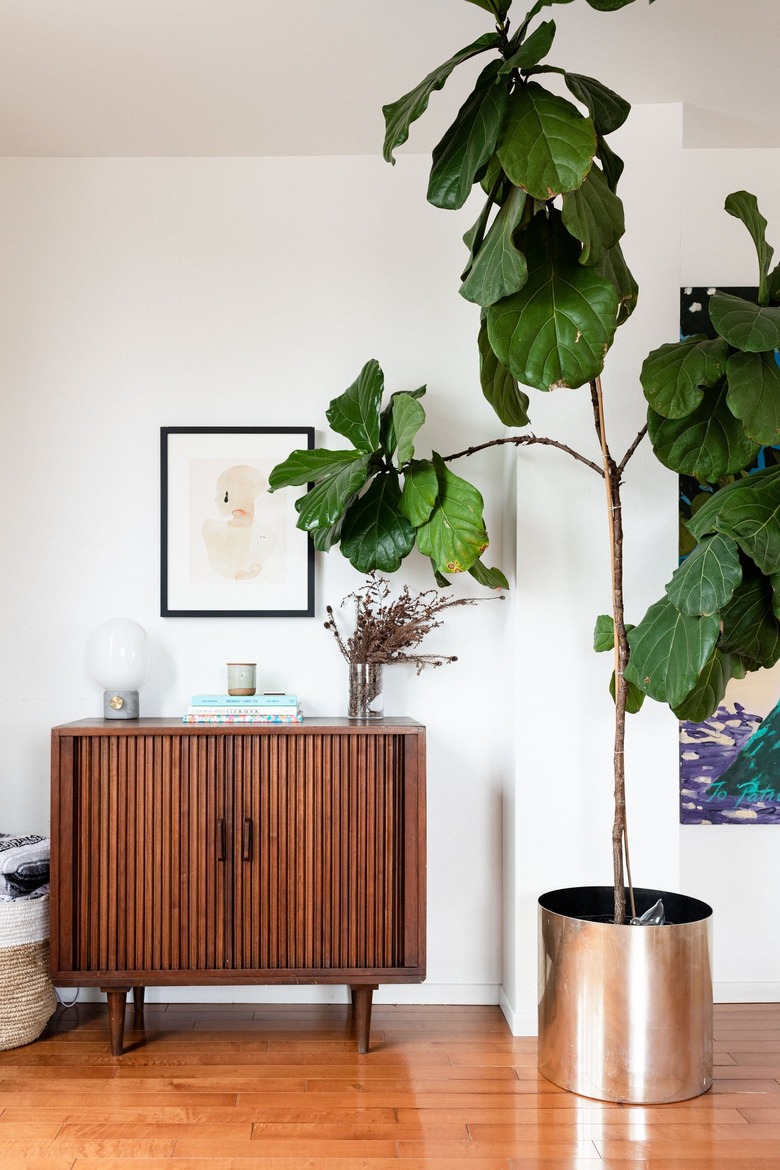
[583,902]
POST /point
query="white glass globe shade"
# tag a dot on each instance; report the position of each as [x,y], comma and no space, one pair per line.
[117,655]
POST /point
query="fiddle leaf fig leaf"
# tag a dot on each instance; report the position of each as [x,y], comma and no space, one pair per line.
[439,578]
[673,375]
[775,583]
[355,413]
[749,512]
[604,633]
[475,235]
[669,651]
[751,328]
[400,114]
[773,284]
[750,628]
[593,214]
[610,5]
[706,506]
[309,466]
[387,433]
[454,537]
[490,578]
[607,109]
[408,417]
[500,386]
[376,534]
[708,444]
[469,142]
[707,694]
[420,491]
[537,8]
[612,164]
[754,395]
[744,206]
[324,539]
[546,146]
[325,503]
[706,579]
[634,697]
[498,268]
[613,267]
[532,50]
[557,329]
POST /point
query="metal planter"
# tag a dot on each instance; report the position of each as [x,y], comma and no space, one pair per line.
[625,1012]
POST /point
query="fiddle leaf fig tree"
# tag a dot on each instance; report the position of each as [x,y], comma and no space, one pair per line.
[545,267]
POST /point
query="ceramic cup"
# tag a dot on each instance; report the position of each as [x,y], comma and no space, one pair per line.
[241,678]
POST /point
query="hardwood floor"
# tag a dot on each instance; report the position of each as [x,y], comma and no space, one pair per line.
[234,1087]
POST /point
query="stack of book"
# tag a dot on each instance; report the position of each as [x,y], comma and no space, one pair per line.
[268,708]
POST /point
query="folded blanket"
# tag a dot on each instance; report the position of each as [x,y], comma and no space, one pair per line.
[24,864]
[40,892]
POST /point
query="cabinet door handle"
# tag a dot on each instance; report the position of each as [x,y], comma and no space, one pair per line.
[247,839]
[220,840]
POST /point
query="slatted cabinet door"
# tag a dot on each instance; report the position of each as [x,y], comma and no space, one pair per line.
[144,867]
[318,831]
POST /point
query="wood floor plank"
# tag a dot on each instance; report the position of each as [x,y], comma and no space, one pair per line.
[68,1100]
[36,1162]
[343,1149]
[696,1152]
[598,1114]
[466,1150]
[31,1127]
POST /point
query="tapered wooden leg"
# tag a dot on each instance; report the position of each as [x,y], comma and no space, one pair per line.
[138,1001]
[362,997]
[117,1000]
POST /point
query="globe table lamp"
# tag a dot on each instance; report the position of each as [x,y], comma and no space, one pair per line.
[117,657]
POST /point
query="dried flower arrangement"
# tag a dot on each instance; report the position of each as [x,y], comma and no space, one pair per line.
[388,630]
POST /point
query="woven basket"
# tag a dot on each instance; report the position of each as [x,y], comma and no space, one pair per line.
[27,997]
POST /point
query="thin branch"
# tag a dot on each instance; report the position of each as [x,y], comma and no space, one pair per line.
[526,441]
[622,465]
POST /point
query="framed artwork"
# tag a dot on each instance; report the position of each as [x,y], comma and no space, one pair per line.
[729,763]
[229,548]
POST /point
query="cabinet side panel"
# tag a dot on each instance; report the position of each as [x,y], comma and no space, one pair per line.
[63,784]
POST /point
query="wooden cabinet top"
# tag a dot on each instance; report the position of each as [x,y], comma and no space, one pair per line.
[391,725]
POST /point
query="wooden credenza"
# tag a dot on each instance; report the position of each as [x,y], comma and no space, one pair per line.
[211,854]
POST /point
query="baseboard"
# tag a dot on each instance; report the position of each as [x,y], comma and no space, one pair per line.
[405,993]
[520,1023]
[753,992]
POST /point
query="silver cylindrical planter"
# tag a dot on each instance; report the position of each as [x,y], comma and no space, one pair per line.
[625,1012]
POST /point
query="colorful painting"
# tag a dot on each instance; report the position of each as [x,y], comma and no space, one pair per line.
[730,764]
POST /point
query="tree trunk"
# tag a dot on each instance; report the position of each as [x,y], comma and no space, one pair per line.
[621,868]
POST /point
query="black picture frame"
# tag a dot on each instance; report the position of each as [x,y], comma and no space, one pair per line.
[220,562]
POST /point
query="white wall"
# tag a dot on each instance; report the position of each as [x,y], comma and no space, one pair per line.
[563,814]
[736,868]
[140,293]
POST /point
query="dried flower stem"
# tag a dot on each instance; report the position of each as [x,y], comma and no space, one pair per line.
[387,630]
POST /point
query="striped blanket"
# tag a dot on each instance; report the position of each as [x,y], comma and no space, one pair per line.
[24,866]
